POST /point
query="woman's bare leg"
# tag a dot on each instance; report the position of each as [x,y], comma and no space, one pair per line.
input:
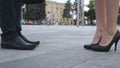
[101,19]
[111,27]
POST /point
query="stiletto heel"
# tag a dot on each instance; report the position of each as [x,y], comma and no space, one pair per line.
[107,48]
[116,45]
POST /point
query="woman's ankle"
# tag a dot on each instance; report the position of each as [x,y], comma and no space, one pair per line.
[111,32]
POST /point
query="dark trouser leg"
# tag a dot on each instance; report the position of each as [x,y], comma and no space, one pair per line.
[18,17]
[18,24]
[8,19]
[10,38]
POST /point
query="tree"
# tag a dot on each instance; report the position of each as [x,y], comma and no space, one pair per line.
[35,11]
[90,14]
[75,6]
[67,10]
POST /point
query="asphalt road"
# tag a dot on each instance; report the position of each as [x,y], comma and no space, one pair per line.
[60,47]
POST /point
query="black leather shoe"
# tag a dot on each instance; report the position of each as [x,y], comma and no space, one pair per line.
[28,41]
[17,43]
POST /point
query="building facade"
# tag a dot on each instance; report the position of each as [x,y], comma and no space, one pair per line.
[55,10]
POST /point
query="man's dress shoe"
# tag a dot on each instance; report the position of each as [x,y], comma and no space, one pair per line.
[17,43]
[28,41]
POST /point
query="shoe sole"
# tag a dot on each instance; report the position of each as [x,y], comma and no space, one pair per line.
[7,46]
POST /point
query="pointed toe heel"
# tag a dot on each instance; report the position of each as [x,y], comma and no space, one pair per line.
[107,48]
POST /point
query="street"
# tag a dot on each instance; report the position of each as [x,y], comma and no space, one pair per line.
[60,47]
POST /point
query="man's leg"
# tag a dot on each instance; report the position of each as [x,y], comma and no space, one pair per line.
[8,20]
[18,6]
[10,38]
[18,24]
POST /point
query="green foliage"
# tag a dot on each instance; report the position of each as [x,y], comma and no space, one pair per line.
[66,11]
[75,6]
[90,14]
[35,11]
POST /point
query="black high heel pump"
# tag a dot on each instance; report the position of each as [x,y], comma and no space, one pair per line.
[107,48]
[90,45]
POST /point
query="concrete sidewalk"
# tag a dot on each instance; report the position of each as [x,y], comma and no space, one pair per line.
[60,47]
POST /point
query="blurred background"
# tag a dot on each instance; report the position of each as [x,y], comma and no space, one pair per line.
[60,12]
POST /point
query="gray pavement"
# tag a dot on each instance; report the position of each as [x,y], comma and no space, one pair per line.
[60,47]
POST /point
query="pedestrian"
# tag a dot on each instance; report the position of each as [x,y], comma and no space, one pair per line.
[10,14]
[48,18]
[106,32]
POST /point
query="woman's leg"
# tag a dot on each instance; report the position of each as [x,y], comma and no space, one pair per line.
[111,27]
[101,19]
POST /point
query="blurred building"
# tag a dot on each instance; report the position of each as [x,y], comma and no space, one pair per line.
[56,11]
